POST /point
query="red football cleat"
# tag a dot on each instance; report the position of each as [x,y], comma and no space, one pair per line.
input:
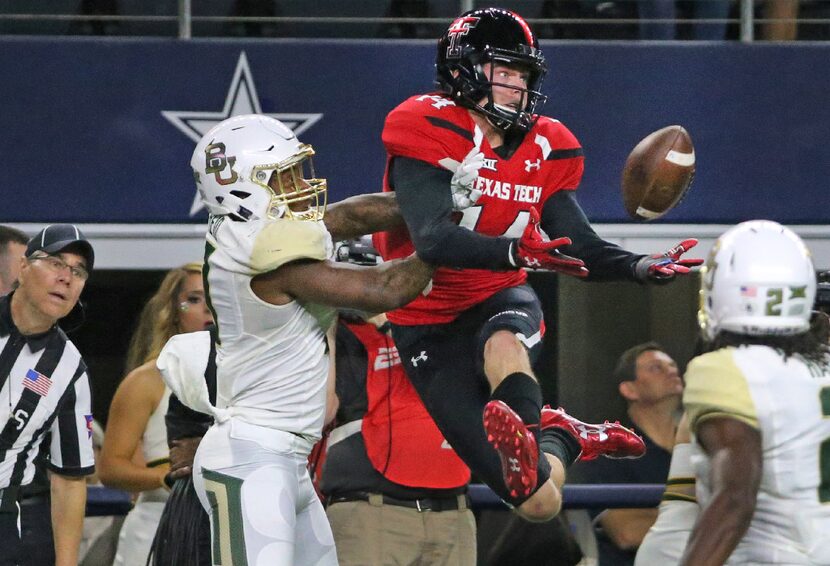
[516,447]
[611,440]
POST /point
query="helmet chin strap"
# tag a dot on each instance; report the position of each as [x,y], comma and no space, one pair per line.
[508,111]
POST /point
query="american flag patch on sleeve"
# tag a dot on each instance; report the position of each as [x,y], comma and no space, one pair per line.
[37,382]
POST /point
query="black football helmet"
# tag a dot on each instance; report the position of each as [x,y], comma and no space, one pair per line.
[485,35]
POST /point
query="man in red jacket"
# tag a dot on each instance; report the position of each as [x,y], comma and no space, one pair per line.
[396,491]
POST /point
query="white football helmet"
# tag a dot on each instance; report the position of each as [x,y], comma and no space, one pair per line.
[758,280]
[254,167]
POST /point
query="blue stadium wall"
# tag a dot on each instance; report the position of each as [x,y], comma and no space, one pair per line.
[96,130]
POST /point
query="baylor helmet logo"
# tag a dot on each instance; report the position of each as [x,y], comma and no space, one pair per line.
[216,162]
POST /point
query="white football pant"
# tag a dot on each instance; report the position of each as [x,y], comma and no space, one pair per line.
[263,509]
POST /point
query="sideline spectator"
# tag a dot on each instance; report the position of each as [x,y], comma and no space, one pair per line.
[396,491]
[135,455]
[183,535]
[651,386]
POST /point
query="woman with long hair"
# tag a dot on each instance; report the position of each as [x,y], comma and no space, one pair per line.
[134,456]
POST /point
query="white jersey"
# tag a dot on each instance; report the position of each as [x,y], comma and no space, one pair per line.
[272,360]
[789,403]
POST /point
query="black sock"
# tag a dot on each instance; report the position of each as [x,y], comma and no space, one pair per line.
[561,444]
[522,394]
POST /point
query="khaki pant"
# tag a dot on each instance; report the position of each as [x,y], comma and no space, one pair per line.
[369,533]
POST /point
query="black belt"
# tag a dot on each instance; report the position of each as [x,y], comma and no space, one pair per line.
[452,503]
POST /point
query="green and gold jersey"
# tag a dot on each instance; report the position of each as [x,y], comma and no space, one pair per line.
[788,402]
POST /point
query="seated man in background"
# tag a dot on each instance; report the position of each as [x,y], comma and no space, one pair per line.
[651,386]
[758,404]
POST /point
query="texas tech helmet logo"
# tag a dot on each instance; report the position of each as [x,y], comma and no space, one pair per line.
[460,27]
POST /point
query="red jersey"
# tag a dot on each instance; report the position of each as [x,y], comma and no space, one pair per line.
[403,443]
[432,128]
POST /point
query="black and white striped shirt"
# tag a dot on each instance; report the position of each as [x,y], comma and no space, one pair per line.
[44,387]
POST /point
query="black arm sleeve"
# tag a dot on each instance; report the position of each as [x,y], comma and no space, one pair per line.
[426,205]
[351,368]
[562,216]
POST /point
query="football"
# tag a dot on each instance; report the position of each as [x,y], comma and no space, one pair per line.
[658,173]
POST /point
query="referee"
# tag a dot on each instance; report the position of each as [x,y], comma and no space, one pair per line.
[44,387]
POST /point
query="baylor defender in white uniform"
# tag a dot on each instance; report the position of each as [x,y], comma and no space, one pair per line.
[765,390]
[271,359]
[788,402]
[271,378]
[256,337]
[273,291]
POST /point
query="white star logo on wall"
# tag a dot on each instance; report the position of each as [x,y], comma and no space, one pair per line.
[241,99]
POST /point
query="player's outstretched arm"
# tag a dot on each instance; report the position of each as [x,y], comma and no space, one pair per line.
[382,288]
[734,448]
[534,251]
[362,214]
[661,267]
[563,217]
[426,201]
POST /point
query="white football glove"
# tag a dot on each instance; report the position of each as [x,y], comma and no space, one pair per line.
[462,184]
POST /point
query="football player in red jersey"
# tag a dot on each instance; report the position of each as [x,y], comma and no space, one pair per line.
[469,344]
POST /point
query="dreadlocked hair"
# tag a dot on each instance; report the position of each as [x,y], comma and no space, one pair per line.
[812,346]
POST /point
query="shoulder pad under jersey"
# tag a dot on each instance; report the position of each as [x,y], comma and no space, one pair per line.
[716,386]
[428,127]
[264,245]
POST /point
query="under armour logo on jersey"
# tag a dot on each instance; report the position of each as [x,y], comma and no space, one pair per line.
[537,165]
[422,357]
[531,262]
[514,465]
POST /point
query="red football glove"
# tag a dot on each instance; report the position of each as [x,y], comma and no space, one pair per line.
[662,267]
[534,251]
